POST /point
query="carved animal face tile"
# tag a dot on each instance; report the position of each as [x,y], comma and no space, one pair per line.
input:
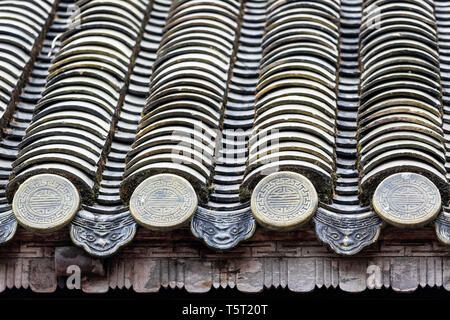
[8,226]
[222,234]
[102,238]
[347,234]
[442,227]
[102,241]
[347,241]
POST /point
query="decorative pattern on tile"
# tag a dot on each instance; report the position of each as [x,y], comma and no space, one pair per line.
[217,90]
[89,229]
[345,225]
[400,116]
[183,114]
[225,221]
[296,102]
[14,131]
[73,122]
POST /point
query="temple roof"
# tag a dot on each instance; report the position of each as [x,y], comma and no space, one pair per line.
[217,118]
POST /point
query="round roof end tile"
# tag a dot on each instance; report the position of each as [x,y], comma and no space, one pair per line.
[407,200]
[284,201]
[163,202]
[45,203]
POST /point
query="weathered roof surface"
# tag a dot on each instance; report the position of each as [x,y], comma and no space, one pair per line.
[225,95]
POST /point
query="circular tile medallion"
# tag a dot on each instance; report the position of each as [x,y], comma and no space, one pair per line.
[407,200]
[284,201]
[163,202]
[45,203]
